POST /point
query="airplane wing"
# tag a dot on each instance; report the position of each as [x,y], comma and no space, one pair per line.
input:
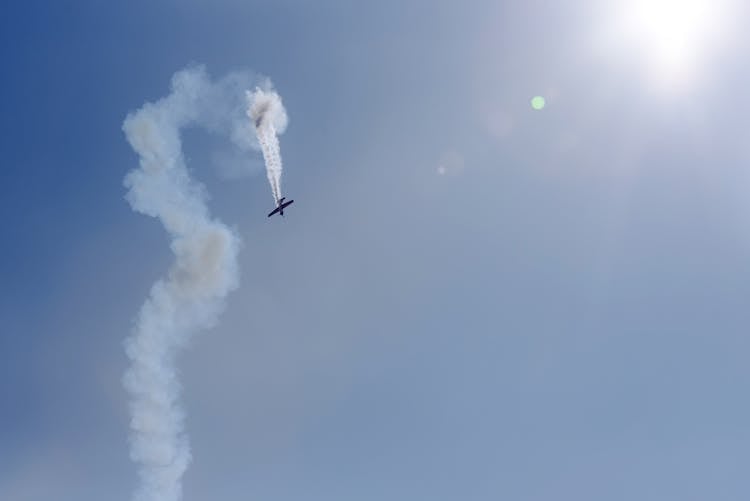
[281,208]
[275,211]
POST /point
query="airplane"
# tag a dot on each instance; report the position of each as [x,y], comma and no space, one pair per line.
[260,113]
[280,208]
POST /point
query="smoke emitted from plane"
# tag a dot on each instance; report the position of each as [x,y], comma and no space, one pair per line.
[204,271]
[268,115]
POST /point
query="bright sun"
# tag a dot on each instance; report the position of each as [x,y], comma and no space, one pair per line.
[674,28]
[672,36]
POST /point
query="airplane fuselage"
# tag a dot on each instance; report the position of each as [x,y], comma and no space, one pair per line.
[281,206]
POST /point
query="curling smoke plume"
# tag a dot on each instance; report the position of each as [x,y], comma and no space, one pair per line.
[204,271]
[267,112]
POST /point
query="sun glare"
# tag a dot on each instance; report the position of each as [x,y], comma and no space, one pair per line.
[673,29]
[673,37]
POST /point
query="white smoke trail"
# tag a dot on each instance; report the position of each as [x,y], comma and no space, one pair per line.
[191,296]
[267,113]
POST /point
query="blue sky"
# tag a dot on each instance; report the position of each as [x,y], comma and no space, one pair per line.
[469,299]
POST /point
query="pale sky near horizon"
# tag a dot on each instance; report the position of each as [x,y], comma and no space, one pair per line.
[469,300]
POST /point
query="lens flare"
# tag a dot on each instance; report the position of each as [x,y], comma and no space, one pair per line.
[538,102]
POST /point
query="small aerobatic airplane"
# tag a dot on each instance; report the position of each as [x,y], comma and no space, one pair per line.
[280,208]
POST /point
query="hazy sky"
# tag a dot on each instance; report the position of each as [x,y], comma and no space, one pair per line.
[469,300]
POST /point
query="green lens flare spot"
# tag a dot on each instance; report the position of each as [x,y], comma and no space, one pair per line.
[538,102]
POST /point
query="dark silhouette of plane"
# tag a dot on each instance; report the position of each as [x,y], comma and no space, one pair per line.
[280,208]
